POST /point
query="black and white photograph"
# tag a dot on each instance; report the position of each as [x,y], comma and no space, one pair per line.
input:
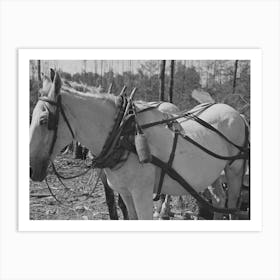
[139,139]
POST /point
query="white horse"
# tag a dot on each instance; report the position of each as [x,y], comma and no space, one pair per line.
[92,116]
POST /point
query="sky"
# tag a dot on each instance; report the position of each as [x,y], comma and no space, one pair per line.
[98,66]
[119,66]
[74,66]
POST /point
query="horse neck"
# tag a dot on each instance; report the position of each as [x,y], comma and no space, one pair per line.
[91,117]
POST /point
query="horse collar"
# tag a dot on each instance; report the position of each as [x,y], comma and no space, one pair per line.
[105,158]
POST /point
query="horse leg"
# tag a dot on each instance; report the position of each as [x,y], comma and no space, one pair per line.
[234,176]
[165,210]
[128,201]
[110,198]
[123,207]
[158,206]
[143,201]
[218,197]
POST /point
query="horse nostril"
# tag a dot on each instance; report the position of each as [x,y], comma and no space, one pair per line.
[30,172]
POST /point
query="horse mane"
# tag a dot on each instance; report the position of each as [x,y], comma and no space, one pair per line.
[80,87]
[142,104]
[82,91]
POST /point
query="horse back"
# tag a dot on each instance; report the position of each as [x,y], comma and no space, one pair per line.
[224,118]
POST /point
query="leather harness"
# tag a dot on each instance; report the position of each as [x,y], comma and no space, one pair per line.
[120,142]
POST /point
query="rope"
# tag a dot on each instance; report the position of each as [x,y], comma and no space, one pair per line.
[70,177]
[51,192]
[98,178]
[87,195]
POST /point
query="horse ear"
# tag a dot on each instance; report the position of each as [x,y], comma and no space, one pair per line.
[56,84]
[46,86]
[52,74]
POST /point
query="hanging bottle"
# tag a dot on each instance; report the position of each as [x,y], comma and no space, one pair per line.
[141,145]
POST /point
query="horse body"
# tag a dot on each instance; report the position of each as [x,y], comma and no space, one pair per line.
[196,166]
[92,117]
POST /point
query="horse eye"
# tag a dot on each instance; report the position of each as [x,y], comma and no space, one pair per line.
[43,119]
[43,122]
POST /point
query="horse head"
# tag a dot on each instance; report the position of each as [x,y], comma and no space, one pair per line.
[45,132]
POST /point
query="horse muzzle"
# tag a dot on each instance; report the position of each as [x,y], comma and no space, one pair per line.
[38,174]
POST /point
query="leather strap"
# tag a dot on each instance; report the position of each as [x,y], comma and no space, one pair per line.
[244,151]
[173,174]
[169,164]
[212,128]
[55,119]
[242,155]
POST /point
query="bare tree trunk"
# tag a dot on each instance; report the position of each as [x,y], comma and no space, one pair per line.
[215,70]
[161,78]
[101,72]
[184,62]
[220,69]
[207,73]
[39,70]
[171,83]
[234,76]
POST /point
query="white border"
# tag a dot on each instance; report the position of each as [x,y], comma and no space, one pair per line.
[24,55]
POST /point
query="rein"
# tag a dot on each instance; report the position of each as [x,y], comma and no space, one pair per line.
[87,195]
[111,141]
[53,125]
[103,158]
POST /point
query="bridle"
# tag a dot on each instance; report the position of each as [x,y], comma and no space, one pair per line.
[101,160]
[53,119]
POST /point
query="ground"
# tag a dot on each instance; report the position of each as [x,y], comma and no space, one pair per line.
[76,205]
